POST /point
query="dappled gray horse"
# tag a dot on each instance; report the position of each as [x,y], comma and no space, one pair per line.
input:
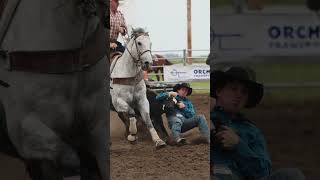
[128,89]
[53,70]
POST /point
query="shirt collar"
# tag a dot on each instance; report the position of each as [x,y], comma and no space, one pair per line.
[114,13]
[237,116]
[180,97]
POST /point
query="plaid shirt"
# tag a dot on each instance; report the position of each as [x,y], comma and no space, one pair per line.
[116,20]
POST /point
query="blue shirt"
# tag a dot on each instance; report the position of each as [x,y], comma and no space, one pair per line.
[187,112]
[249,158]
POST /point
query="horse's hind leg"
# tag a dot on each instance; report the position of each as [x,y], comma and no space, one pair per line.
[43,170]
[158,75]
[161,74]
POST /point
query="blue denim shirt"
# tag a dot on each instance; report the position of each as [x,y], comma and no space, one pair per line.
[249,158]
[187,112]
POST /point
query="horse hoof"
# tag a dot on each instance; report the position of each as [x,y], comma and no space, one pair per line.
[132,138]
[160,144]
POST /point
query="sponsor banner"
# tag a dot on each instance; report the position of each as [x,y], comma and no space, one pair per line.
[179,72]
[266,34]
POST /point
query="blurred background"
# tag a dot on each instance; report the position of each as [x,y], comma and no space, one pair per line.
[279,41]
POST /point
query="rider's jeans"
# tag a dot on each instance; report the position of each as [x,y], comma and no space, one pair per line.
[224,173]
[221,172]
[179,124]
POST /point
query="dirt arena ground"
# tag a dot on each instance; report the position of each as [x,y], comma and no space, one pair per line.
[292,133]
[142,161]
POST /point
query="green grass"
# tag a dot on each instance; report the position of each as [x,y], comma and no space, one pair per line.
[287,72]
[295,96]
[215,3]
[205,85]
[282,71]
[270,72]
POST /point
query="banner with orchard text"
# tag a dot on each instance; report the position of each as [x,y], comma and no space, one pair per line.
[266,34]
[180,72]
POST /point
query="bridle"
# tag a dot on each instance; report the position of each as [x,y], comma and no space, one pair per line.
[138,60]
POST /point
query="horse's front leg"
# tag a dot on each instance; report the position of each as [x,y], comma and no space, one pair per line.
[125,119]
[143,105]
[127,115]
[131,128]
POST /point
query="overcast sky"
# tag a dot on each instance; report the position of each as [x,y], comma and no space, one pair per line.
[166,21]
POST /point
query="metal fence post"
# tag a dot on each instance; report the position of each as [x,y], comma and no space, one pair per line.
[184,57]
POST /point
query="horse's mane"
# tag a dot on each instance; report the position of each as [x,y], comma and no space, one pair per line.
[138,31]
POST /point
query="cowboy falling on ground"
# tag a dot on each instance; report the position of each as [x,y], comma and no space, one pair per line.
[238,147]
[185,117]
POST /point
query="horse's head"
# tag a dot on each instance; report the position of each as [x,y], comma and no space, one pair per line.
[141,48]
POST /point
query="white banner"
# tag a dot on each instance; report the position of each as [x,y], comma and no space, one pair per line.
[179,72]
[266,34]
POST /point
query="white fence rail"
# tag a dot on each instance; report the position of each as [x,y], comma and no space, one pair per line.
[179,56]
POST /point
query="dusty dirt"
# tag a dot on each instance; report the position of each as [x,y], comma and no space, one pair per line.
[140,161]
[143,161]
[292,134]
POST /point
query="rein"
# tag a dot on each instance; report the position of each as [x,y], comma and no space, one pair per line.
[139,52]
[139,75]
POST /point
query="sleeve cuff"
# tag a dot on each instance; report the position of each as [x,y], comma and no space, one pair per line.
[243,149]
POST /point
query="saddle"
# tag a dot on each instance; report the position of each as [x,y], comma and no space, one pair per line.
[115,55]
[54,61]
[60,61]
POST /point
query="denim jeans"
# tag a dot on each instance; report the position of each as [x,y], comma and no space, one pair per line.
[281,174]
[222,172]
[119,47]
[285,174]
[179,124]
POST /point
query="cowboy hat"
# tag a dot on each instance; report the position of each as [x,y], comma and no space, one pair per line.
[218,79]
[181,85]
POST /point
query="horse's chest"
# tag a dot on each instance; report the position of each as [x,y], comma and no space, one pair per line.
[131,81]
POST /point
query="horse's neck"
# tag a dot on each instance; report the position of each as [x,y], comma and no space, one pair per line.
[124,67]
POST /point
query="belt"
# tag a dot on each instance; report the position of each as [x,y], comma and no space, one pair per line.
[129,81]
[61,61]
